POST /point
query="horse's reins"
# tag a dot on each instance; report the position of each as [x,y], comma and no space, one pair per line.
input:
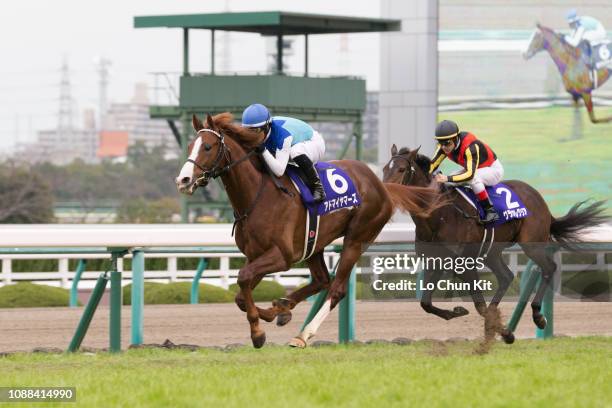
[216,171]
[224,151]
[413,171]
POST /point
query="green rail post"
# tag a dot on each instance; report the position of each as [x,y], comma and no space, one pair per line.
[529,279]
[195,284]
[420,277]
[74,289]
[346,311]
[88,314]
[137,296]
[115,300]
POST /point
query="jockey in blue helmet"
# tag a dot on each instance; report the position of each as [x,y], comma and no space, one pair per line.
[584,28]
[287,138]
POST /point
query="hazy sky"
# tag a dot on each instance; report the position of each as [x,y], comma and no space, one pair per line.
[37,35]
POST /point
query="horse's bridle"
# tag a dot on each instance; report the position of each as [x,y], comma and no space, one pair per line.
[412,169]
[224,152]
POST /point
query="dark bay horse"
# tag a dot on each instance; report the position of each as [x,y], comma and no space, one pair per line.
[578,81]
[270,224]
[459,223]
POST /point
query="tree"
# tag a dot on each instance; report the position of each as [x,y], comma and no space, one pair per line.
[141,211]
[24,196]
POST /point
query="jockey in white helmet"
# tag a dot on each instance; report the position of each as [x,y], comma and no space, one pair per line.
[585,28]
[288,138]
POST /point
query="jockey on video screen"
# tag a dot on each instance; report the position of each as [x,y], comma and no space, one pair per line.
[586,29]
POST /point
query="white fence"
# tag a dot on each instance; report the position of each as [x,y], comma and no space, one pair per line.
[56,239]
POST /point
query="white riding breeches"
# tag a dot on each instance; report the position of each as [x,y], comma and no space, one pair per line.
[486,176]
[313,148]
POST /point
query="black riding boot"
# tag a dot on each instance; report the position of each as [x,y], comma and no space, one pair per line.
[490,214]
[312,177]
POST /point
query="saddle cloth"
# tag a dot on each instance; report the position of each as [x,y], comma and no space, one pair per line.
[602,54]
[340,190]
[340,193]
[505,201]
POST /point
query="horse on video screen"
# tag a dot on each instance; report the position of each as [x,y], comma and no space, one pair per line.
[579,81]
[457,224]
[270,219]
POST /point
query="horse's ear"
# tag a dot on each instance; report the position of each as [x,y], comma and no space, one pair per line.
[414,153]
[209,121]
[196,123]
[393,150]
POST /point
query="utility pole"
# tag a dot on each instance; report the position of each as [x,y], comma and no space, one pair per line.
[65,124]
[102,65]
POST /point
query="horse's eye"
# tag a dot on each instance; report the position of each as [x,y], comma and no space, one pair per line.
[207,147]
[401,169]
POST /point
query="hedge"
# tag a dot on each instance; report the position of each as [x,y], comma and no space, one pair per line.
[265,291]
[178,293]
[27,294]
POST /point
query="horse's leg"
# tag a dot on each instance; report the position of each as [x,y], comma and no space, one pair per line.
[504,278]
[320,280]
[350,255]
[588,102]
[269,262]
[538,254]
[264,314]
[480,304]
[432,277]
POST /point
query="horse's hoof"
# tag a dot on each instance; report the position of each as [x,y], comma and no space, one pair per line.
[540,321]
[260,340]
[508,336]
[283,318]
[297,342]
[460,311]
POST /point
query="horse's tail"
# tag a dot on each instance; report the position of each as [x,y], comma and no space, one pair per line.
[565,230]
[418,201]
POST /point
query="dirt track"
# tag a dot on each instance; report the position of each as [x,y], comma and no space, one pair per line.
[221,324]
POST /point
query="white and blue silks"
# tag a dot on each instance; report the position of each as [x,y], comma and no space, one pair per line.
[289,138]
[587,28]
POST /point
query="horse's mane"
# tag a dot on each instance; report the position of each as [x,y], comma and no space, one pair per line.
[243,136]
[559,37]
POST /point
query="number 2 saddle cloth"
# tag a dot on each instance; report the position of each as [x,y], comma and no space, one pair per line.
[505,201]
[340,193]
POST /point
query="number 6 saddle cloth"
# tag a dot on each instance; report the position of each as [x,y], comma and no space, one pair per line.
[505,201]
[340,194]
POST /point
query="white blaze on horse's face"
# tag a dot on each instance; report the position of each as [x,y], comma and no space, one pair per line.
[185,182]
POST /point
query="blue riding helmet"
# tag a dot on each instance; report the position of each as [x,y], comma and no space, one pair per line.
[572,16]
[256,115]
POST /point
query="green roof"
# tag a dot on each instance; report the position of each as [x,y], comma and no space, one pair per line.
[270,23]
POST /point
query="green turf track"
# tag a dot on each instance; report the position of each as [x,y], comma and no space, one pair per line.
[528,142]
[564,372]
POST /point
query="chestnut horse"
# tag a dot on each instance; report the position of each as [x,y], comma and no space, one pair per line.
[577,79]
[270,224]
[458,223]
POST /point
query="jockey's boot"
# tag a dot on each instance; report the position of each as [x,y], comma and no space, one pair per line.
[490,214]
[312,177]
